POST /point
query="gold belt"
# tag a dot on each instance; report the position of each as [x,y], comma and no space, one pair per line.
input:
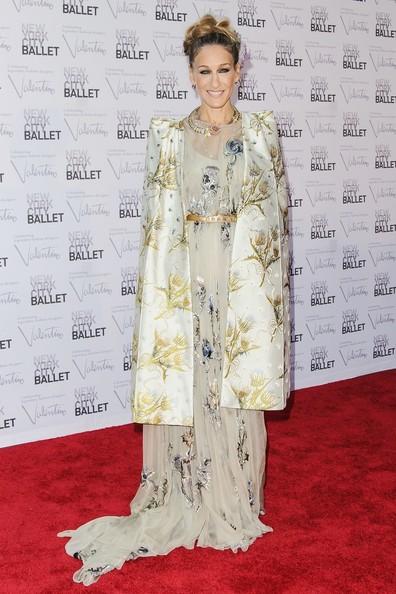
[192,216]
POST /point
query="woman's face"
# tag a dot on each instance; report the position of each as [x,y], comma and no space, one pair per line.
[214,74]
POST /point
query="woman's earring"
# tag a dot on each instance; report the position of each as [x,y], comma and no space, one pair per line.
[194,86]
[236,82]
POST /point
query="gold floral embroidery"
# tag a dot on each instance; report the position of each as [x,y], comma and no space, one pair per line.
[167,354]
[277,322]
[177,296]
[260,120]
[237,341]
[265,250]
[254,190]
[150,232]
[256,394]
[234,283]
[165,174]
[149,409]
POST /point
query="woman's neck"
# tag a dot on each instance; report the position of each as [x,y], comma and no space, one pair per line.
[219,116]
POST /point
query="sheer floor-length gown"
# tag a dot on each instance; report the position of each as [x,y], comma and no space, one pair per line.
[200,485]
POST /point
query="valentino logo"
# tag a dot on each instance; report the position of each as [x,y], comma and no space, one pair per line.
[321,261]
[130,204]
[247,15]
[79,166]
[320,359]
[350,259]
[46,370]
[383,157]
[80,247]
[76,84]
[357,289]
[320,227]
[320,327]
[350,59]
[167,86]
[79,7]
[286,125]
[319,294]
[350,125]
[350,322]
[382,285]
[319,90]
[319,159]
[380,317]
[43,291]
[35,41]
[37,126]
[127,46]
[382,222]
[129,279]
[381,347]
[166,10]
[3,261]
[285,54]
[87,402]
[129,126]
[319,20]
[351,193]
[383,91]
[40,209]
[127,357]
[84,326]
[5,344]
[383,25]
[248,89]
[351,354]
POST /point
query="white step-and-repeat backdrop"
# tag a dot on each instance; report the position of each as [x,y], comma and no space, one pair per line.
[79,80]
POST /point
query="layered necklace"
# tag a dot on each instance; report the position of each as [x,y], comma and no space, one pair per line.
[209,129]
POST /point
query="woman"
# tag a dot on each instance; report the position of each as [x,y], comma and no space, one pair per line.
[210,344]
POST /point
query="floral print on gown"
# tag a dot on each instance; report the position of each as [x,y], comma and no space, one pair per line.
[200,485]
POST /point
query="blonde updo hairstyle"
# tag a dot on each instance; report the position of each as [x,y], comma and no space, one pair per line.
[209,31]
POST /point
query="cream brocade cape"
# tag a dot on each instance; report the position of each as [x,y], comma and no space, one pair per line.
[256,373]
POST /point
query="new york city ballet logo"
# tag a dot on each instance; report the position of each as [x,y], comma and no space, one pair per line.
[320,20]
[351,125]
[287,126]
[350,322]
[37,126]
[383,222]
[130,204]
[383,25]
[320,159]
[295,336]
[294,269]
[46,370]
[382,285]
[129,281]
[5,344]
[350,58]
[247,15]
[167,10]
[167,85]
[43,291]
[35,41]
[86,401]
[381,346]
[284,55]
[127,46]
[40,209]
[79,7]
[76,84]
[320,90]
[383,158]
[351,193]
[127,357]
[383,91]
[80,243]
[249,89]
[320,227]
[320,360]
[351,258]
[292,200]
[129,125]
[320,294]
[84,326]
[78,166]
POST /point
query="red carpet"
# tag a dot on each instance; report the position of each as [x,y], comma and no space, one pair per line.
[330,497]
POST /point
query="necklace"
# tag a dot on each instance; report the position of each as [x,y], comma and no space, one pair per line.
[210,129]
